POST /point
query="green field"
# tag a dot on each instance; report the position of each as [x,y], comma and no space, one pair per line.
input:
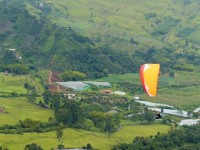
[19,109]
[15,83]
[78,138]
[9,83]
[182,89]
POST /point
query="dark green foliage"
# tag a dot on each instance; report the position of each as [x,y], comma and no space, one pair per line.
[46,96]
[33,146]
[73,76]
[10,57]
[61,146]
[59,131]
[32,95]
[14,94]
[184,138]
[109,124]
[148,115]
[27,125]
[70,113]
[89,146]
[15,68]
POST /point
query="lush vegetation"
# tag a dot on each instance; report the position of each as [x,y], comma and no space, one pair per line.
[185,138]
[19,109]
[73,76]
[37,36]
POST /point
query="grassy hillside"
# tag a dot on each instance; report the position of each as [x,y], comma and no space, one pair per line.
[100,37]
[20,109]
[15,83]
[171,21]
[11,83]
[78,138]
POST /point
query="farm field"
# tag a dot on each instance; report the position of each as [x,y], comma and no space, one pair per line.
[19,109]
[78,138]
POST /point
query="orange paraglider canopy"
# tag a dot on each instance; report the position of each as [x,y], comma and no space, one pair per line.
[149,77]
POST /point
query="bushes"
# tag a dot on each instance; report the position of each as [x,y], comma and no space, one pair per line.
[15,68]
[27,125]
[33,146]
[73,76]
[185,138]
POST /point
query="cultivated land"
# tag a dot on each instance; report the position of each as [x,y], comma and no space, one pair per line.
[78,138]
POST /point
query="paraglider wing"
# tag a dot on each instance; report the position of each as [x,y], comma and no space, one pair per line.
[149,77]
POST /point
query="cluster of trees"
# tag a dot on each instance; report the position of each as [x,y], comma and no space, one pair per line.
[82,114]
[186,138]
[15,68]
[33,146]
[106,122]
[31,92]
[28,125]
[73,76]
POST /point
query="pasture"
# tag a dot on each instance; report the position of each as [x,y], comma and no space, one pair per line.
[15,83]
[9,83]
[19,109]
[78,138]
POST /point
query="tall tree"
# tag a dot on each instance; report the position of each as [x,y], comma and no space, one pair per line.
[59,132]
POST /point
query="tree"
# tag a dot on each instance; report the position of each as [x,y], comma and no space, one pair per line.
[61,146]
[59,132]
[109,124]
[32,95]
[46,96]
[63,116]
[148,115]
[89,146]
[33,146]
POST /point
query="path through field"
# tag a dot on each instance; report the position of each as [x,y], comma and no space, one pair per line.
[55,79]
